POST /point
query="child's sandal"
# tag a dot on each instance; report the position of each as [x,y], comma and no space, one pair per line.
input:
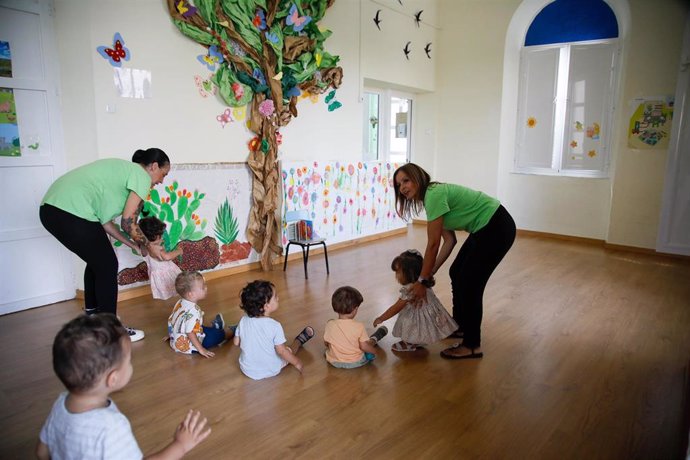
[306,334]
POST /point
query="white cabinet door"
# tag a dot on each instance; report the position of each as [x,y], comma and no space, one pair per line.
[35,270]
[674,227]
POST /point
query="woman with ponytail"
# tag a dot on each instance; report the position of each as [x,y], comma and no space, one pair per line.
[79,207]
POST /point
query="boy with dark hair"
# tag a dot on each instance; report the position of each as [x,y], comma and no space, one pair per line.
[347,344]
[263,348]
[92,358]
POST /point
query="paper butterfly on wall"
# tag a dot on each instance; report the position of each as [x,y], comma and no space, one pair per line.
[332,104]
[185,9]
[117,53]
[212,59]
[205,86]
[295,20]
[225,117]
[259,19]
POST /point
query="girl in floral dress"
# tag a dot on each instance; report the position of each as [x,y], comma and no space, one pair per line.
[416,325]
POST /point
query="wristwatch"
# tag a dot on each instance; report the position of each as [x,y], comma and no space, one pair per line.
[424,282]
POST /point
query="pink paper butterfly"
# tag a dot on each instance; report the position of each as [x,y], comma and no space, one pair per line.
[225,117]
[295,20]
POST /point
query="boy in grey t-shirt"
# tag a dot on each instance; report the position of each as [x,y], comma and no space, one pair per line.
[92,357]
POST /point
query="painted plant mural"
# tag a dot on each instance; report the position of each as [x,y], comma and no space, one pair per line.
[268,53]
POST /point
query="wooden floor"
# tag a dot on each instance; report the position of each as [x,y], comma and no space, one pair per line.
[585,353]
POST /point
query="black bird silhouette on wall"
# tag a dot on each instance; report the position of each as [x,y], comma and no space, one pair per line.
[407,50]
[377,19]
[418,17]
[427,50]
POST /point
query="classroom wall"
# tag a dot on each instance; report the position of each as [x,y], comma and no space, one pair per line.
[653,57]
[181,122]
[476,121]
[462,133]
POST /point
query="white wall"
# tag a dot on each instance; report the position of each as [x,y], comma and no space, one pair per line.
[469,80]
[184,124]
[653,57]
[477,103]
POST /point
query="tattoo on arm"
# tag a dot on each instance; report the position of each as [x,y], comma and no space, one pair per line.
[129,225]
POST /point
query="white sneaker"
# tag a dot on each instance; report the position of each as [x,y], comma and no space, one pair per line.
[135,334]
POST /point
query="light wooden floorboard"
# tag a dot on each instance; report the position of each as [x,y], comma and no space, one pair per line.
[585,350]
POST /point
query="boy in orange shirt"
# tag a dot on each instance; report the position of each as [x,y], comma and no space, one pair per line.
[347,343]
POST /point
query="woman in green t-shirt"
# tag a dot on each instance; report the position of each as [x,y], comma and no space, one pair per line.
[78,210]
[491,229]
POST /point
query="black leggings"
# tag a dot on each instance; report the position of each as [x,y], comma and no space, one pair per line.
[479,256]
[89,241]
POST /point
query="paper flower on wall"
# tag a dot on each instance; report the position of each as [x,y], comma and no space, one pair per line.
[267,108]
[531,122]
[573,144]
[206,87]
[592,153]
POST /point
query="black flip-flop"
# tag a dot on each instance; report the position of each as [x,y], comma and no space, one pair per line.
[305,336]
[472,355]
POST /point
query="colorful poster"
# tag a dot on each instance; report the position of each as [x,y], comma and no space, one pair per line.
[5,60]
[9,131]
[650,124]
[205,208]
[345,200]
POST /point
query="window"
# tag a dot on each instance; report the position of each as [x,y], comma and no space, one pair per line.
[387,122]
[565,104]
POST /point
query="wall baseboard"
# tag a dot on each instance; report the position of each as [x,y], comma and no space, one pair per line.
[139,291]
[591,241]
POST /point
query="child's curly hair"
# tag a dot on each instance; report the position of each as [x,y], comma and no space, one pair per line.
[86,348]
[255,296]
[409,264]
[152,227]
[345,299]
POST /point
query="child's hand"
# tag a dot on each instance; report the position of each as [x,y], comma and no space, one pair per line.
[299,366]
[205,353]
[191,432]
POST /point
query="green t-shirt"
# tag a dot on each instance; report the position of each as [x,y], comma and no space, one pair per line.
[97,191]
[462,208]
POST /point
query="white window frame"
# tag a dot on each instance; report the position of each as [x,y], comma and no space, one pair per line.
[561,111]
[385,97]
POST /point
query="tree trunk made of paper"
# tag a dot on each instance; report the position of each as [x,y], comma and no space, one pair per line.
[268,52]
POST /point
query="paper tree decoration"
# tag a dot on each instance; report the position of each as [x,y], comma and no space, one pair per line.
[272,51]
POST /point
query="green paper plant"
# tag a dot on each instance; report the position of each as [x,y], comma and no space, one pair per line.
[177,211]
[225,226]
[272,50]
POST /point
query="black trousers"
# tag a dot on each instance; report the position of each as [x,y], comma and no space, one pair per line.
[89,241]
[479,256]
